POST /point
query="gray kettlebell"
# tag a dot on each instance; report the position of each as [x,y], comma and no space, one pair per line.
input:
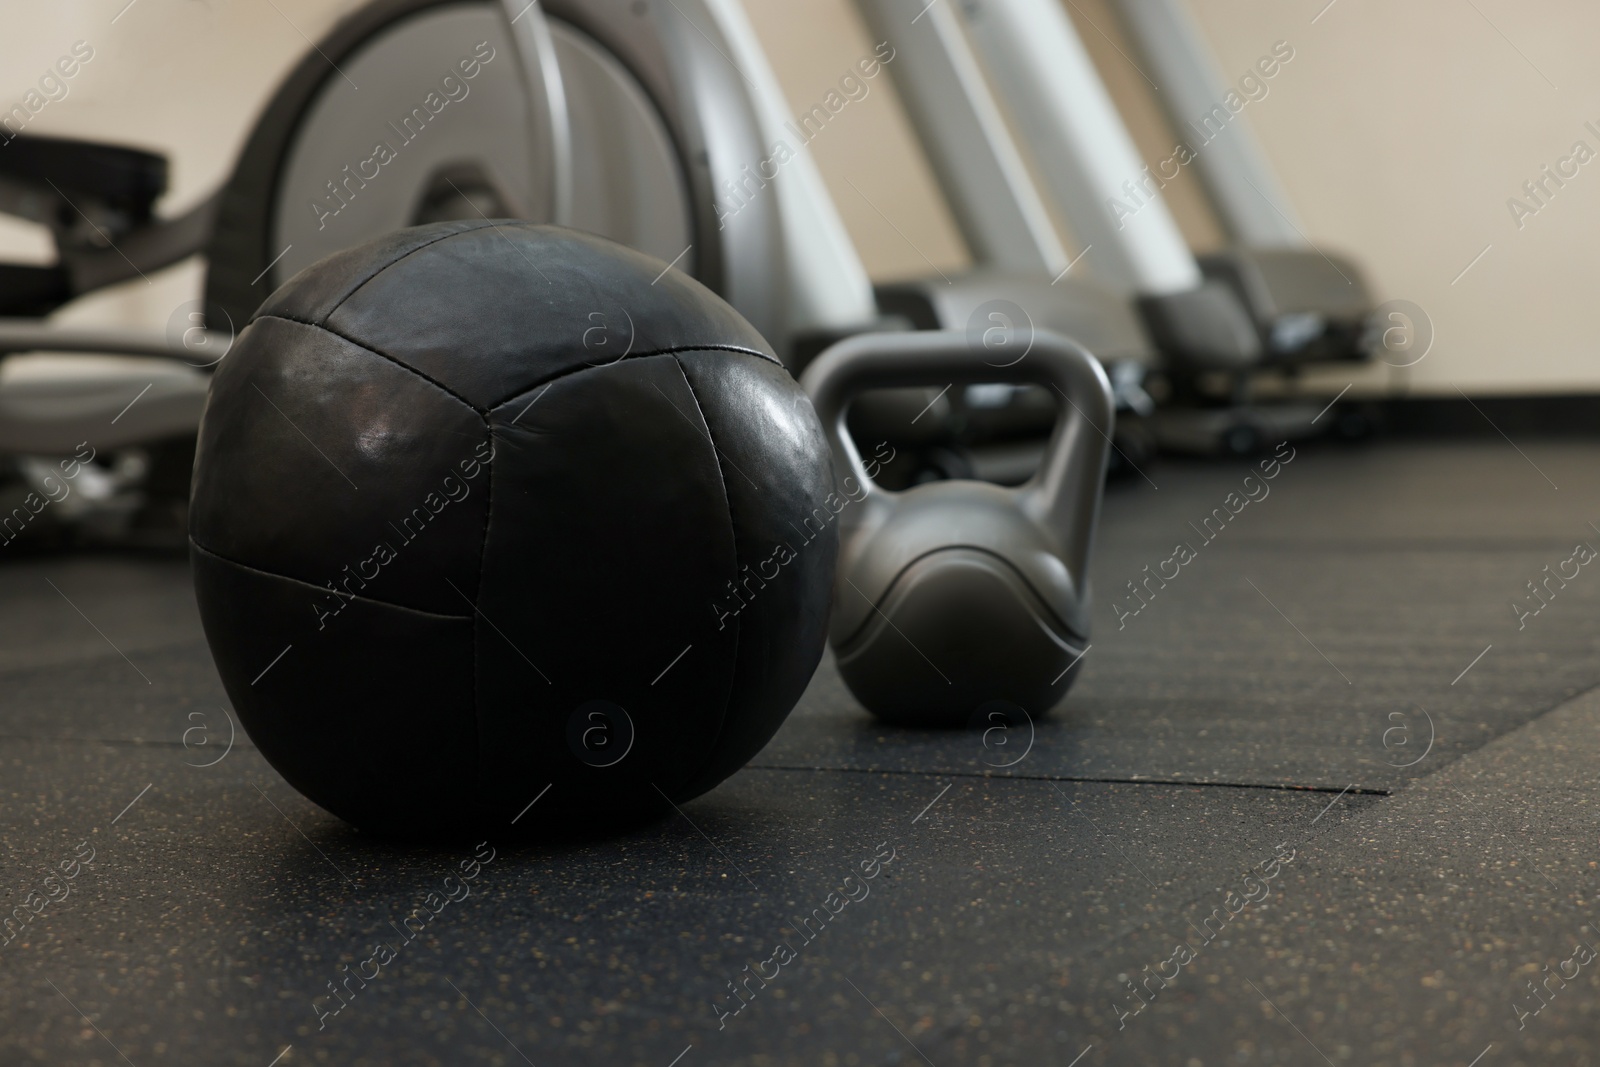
[955,594]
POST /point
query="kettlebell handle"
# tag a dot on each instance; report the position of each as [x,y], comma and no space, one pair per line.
[1063,496]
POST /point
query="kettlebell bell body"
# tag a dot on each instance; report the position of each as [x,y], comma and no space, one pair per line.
[955,594]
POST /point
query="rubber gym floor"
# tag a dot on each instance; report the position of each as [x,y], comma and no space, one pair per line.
[1329,759]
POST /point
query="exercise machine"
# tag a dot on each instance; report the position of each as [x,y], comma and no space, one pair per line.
[1022,277]
[943,80]
[652,124]
[649,123]
[1309,304]
[1298,304]
[119,412]
[646,123]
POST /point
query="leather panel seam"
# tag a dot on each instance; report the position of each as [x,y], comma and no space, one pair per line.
[379,353]
[342,596]
[671,351]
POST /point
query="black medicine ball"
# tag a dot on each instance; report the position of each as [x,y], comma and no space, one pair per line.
[493,513]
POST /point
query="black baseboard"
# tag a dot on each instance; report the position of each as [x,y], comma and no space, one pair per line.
[1568,415]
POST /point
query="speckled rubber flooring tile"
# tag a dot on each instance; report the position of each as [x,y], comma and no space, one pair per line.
[1320,800]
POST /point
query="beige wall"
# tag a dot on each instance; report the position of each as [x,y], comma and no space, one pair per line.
[1400,130]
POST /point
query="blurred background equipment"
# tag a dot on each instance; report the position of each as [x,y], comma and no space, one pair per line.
[124,426]
[667,127]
